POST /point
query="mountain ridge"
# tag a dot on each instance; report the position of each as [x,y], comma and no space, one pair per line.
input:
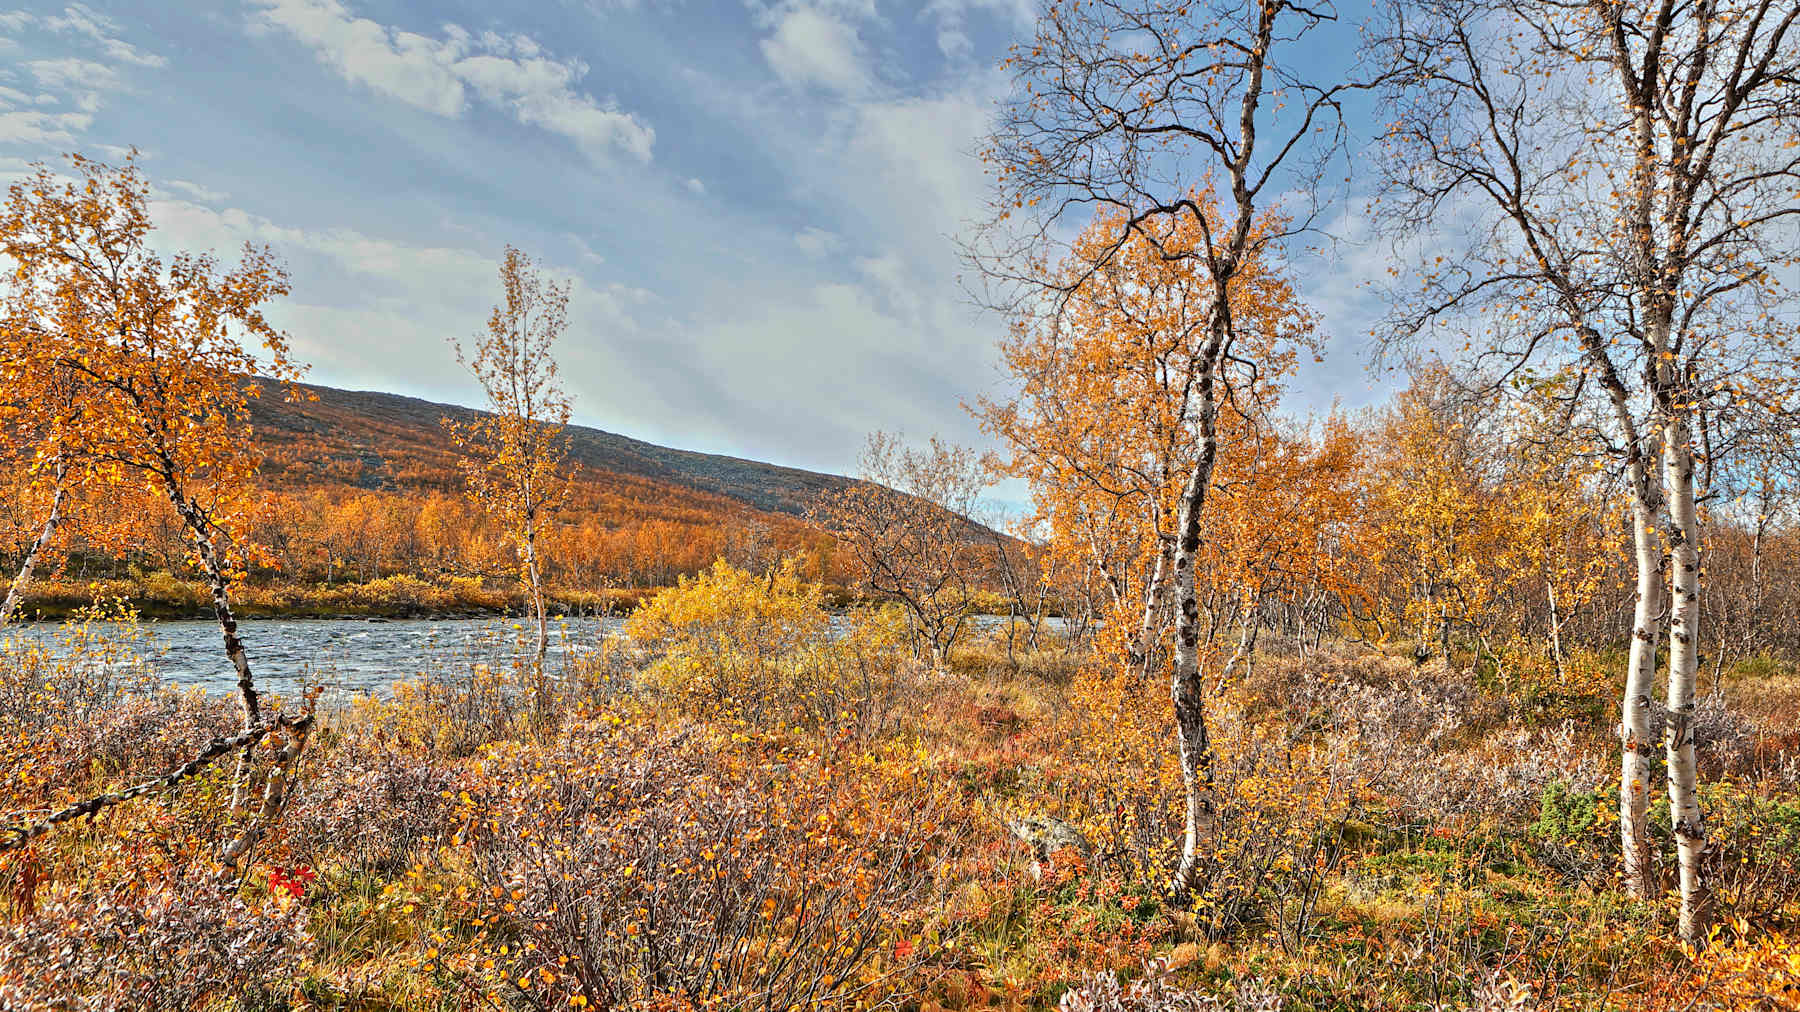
[377,439]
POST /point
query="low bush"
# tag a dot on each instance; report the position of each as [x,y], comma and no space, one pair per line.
[172,945]
[685,867]
[763,652]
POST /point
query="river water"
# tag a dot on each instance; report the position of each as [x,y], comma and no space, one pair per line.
[352,656]
[346,656]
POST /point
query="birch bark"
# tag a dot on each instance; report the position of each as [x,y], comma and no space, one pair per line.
[16,592]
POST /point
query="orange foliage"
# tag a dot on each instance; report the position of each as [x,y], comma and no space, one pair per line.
[1104,426]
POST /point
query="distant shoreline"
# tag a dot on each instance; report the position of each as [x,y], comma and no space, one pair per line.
[163,597]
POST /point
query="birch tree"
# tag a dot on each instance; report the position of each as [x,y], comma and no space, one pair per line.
[515,457]
[166,351]
[1133,106]
[1627,171]
[44,434]
[907,528]
[1565,510]
[1103,424]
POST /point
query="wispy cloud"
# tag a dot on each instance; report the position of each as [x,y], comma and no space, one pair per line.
[77,19]
[817,48]
[27,127]
[66,89]
[443,74]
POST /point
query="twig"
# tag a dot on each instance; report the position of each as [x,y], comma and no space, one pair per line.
[17,836]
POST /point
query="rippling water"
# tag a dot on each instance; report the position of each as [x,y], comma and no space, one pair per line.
[350,656]
[346,656]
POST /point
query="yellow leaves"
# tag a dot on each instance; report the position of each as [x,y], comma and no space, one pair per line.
[136,365]
[516,456]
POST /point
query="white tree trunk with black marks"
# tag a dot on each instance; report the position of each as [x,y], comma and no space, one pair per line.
[1636,744]
[15,594]
[538,612]
[212,562]
[1556,623]
[275,793]
[1194,738]
[1684,642]
[1156,597]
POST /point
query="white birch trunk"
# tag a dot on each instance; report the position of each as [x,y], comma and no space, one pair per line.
[207,549]
[1556,644]
[537,601]
[15,594]
[1194,740]
[1635,741]
[1684,643]
[1156,596]
[1636,747]
[275,793]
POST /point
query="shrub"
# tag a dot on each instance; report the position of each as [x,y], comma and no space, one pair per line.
[761,651]
[86,667]
[726,641]
[172,946]
[1752,862]
[1574,831]
[1279,802]
[1747,970]
[1156,992]
[401,592]
[80,710]
[369,805]
[630,866]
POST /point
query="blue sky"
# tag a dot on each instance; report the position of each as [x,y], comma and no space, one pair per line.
[757,202]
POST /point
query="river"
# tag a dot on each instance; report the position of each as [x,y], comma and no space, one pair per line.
[346,656]
[354,656]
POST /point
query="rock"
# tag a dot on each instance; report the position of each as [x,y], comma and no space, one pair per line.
[1046,835]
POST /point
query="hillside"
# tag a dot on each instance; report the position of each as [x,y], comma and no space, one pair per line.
[378,440]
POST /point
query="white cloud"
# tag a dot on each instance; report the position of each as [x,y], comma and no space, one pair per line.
[889,276]
[83,79]
[584,250]
[919,153]
[13,97]
[77,19]
[696,187]
[816,242]
[42,128]
[195,191]
[439,75]
[815,48]
[73,86]
[951,18]
[412,68]
[373,310]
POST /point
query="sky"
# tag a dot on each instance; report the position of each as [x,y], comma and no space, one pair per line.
[757,203]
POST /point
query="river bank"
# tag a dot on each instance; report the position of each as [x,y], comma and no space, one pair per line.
[163,596]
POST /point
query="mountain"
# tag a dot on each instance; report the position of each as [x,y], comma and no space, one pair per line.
[379,440]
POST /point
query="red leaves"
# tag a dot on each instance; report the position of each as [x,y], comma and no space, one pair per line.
[292,881]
